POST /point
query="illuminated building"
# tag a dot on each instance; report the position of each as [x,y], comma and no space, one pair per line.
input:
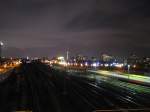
[106,58]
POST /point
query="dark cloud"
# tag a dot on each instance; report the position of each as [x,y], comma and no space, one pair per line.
[116,14]
[82,26]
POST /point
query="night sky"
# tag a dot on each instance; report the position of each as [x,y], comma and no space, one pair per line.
[89,27]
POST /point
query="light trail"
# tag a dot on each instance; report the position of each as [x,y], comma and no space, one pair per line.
[134,77]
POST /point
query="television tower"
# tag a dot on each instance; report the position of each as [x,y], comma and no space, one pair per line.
[67,55]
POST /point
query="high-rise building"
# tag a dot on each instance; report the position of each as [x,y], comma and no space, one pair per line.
[133,59]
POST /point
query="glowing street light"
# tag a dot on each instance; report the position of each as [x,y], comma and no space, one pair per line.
[129,71]
[129,68]
[1,44]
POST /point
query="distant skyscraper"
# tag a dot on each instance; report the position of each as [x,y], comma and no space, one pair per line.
[67,55]
[133,59]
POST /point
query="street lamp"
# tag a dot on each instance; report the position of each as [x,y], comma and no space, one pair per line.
[128,71]
[1,44]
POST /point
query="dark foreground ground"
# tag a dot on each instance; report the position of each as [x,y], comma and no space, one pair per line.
[39,88]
